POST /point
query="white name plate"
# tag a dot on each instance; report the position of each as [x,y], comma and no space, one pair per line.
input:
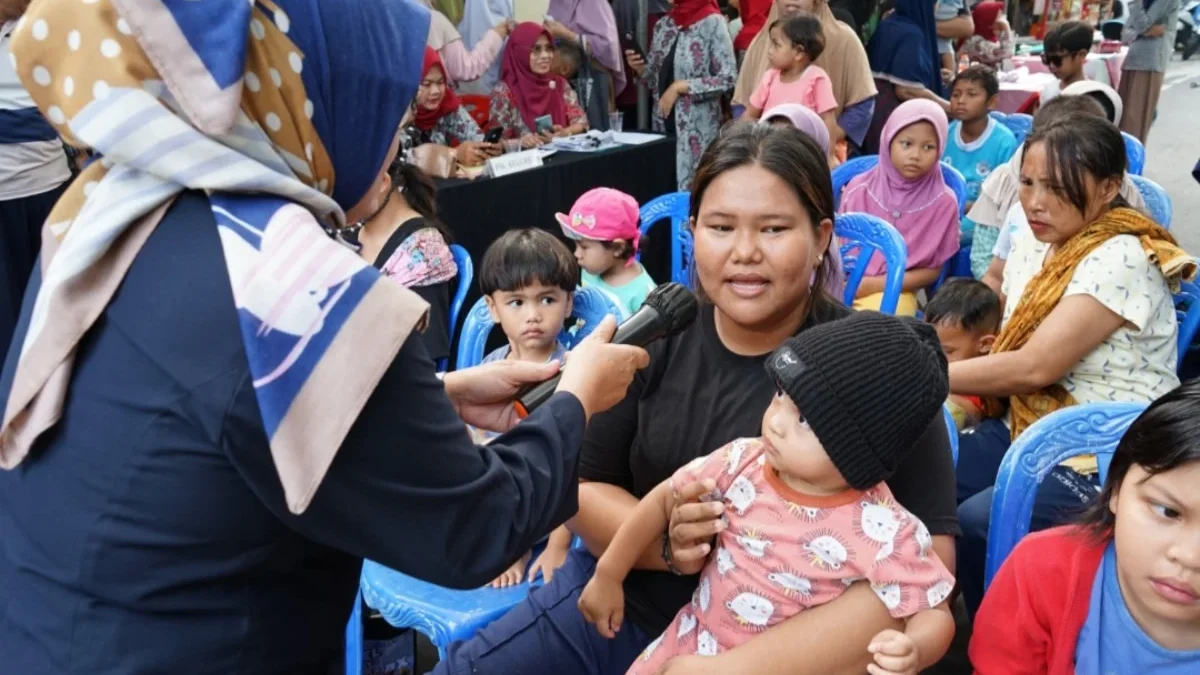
[516,162]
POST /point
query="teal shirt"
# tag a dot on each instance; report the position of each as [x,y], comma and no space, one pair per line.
[629,296]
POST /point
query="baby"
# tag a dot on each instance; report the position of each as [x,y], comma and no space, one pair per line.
[807,510]
[966,314]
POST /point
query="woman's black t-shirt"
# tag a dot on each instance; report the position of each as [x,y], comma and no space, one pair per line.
[696,396]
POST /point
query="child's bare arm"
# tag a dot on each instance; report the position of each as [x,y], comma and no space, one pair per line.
[646,525]
[603,599]
[751,113]
[916,279]
[923,643]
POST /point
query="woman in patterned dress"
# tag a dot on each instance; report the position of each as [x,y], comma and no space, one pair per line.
[691,65]
[527,90]
[439,117]
[1088,318]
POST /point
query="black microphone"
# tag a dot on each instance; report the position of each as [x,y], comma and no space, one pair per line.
[667,310]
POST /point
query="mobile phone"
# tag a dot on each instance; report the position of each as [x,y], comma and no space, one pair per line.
[493,135]
[545,124]
[628,42]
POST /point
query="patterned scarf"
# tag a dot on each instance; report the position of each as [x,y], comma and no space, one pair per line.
[283,122]
[1047,287]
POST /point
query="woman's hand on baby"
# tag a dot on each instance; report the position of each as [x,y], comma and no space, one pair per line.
[693,526]
[895,654]
[599,373]
[603,603]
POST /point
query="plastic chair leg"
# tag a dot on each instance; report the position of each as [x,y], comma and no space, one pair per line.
[354,638]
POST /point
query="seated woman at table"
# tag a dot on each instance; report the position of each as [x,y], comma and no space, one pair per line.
[529,91]
[404,239]
[1088,318]
[762,217]
[992,42]
[439,117]
[905,64]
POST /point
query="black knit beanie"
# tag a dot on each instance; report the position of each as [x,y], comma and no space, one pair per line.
[869,386]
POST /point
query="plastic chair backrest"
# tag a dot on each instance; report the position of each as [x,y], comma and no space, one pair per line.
[479,107]
[1135,154]
[1019,123]
[466,274]
[673,206]
[1087,428]
[952,429]
[848,171]
[590,307]
[1158,202]
[862,236]
[1187,311]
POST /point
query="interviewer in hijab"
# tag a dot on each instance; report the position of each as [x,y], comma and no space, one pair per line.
[215,410]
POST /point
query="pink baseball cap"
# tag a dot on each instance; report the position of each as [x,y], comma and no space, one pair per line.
[602,214]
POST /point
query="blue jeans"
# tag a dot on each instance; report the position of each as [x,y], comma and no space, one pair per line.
[547,634]
[1060,499]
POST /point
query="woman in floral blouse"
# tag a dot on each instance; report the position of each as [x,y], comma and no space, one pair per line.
[528,90]
[691,64]
[440,118]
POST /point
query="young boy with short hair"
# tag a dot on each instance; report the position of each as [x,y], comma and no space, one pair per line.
[978,144]
[1064,51]
[528,280]
[966,314]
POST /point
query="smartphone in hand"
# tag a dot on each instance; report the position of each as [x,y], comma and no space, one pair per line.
[493,135]
[545,124]
[629,43]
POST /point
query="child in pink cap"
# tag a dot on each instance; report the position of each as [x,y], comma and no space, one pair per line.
[603,223]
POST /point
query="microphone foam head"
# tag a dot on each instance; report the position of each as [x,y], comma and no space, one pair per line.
[675,304]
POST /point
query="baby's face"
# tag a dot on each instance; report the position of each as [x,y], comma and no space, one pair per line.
[961,344]
[564,68]
[794,450]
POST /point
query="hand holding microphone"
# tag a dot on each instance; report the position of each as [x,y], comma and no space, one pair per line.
[599,373]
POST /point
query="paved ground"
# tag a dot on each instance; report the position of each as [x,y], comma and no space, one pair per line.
[1174,148]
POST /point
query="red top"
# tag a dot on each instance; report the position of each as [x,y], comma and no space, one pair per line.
[754,17]
[1030,619]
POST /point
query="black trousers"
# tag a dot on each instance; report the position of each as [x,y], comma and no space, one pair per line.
[21,223]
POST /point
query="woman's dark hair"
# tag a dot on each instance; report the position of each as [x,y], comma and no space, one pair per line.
[1077,147]
[420,193]
[1164,437]
[522,258]
[798,161]
[1065,107]
[804,31]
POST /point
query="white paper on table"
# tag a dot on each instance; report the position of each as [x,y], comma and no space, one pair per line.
[635,138]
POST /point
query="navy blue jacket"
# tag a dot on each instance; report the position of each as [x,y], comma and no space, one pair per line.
[147,532]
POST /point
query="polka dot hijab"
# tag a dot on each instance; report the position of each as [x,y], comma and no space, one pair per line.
[283,113]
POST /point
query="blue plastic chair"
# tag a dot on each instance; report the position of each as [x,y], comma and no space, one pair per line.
[862,236]
[466,274]
[848,171]
[590,307]
[1187,312]
[952,429]
[1158,202]
[673,206]
[1088,428]
[1019,123]
[1135,154]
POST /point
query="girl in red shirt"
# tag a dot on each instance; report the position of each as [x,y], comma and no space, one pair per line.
[1120,592]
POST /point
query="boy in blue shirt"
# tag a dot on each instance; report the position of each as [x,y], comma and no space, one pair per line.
[978,144]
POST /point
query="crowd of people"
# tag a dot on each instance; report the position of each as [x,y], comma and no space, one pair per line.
[226,382]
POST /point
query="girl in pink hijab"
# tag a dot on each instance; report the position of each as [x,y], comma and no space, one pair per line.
[906,189]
